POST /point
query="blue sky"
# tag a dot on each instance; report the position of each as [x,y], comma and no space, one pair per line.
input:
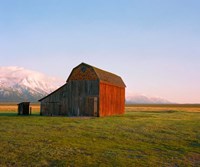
[153,44]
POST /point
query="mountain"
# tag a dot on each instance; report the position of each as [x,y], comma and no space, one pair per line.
[19,84]
[142,99]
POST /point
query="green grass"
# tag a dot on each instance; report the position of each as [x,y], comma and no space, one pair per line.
[147,138]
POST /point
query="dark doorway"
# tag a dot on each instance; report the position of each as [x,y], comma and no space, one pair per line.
[23,108]
[91,106]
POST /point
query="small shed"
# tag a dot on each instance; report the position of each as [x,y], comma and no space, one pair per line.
[23,108]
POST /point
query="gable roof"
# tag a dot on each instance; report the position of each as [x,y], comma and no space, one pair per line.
[104,76]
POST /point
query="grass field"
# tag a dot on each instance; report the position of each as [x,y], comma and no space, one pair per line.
[146,135]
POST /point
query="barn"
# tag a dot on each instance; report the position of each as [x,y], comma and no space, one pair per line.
[88,91]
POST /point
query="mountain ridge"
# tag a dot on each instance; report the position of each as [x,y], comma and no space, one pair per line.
[142,99]
[19,84]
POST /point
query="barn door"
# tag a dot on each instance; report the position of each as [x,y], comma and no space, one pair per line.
[92,106]
[95,106]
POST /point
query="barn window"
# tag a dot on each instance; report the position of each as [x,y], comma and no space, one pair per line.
[83,69]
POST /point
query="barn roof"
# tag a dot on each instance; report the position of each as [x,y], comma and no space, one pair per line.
[104,76]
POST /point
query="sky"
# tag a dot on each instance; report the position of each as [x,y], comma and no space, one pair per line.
[154,45]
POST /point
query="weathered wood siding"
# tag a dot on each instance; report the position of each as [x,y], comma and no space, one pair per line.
[51,104]
[111,99]
[78,98]
[73,99]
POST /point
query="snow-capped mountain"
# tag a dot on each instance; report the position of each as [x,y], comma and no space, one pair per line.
[142,99]
[20,84]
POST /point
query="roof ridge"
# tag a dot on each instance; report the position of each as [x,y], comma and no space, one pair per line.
[99,69]
[105,71]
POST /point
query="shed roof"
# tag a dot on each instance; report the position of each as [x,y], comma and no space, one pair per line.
[23,103]
[104,76]
[52,92]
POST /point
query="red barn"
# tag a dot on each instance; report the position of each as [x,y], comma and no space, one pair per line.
[89,91]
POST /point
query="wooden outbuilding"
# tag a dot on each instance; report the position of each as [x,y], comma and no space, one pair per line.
[89,91]
[23,108]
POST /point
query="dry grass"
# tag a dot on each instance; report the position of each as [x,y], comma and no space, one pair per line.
[12,107]
[163,108]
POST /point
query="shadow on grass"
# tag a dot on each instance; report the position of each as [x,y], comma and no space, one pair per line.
[11,114]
